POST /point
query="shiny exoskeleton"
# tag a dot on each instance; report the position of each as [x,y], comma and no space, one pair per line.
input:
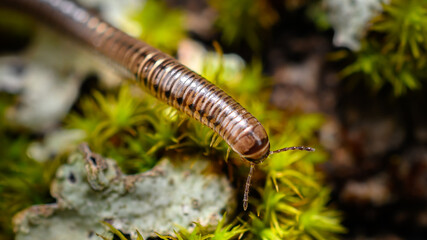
[161,75]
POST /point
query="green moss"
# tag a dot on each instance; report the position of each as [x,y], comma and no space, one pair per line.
[394,52]
[126,125]
[23,181]
[293,203]
[222,231]
[315,12]
[138,127]
[160,25]
[244,20]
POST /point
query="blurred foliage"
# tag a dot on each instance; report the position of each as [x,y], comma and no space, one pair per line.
[16,24]
[251,21]
[244,20]
[395,49]
[316,13]
[160,25]
[23,181]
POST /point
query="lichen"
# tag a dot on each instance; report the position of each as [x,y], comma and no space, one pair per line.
[90,189]
[350,19]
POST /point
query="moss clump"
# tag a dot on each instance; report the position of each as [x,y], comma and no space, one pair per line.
[394,51]
[23,181]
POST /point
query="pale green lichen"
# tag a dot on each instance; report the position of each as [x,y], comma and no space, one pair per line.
[90,189]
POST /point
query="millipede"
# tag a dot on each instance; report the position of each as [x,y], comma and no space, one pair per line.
[162,76]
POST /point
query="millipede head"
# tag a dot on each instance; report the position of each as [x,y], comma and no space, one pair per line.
[254,145]
[251,171]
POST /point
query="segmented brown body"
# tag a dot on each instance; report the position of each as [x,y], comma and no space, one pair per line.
[163,76]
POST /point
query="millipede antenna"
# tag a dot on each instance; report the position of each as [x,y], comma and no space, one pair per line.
[247,187]
[302,148]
